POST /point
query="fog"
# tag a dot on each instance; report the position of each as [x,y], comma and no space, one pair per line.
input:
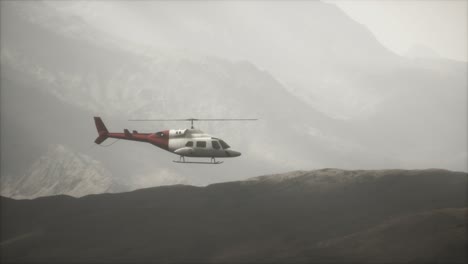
[326,91]
[441,27]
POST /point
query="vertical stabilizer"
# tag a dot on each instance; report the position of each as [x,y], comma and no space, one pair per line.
[102,130]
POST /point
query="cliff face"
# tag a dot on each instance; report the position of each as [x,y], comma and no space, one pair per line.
[304,216]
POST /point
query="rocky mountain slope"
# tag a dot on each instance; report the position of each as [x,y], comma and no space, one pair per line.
[60,171]
[329,215]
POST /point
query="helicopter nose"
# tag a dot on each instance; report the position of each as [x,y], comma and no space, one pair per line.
[232,153]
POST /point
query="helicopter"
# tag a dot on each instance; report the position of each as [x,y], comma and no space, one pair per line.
[183,142]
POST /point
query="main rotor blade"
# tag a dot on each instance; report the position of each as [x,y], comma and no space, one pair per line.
[160,119]
[226,119]
[197,119]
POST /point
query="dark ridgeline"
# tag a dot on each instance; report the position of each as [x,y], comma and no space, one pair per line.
[330,215]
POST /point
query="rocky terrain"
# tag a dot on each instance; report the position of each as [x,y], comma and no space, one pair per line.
[60,171]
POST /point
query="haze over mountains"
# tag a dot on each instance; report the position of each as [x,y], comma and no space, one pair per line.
[60,171]
[328,94]
[329,215]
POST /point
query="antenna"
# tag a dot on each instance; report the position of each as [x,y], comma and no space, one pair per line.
[198,119]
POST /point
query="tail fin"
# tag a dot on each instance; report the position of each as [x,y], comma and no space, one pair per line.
[102,130]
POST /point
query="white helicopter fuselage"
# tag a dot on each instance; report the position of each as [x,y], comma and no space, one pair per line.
[195,143]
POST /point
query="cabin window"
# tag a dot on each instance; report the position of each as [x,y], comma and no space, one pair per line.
[201,144]
[189,144]
[215,144]
[224,144]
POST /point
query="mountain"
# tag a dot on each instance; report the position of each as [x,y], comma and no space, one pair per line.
[313,48]
[60,171]
[329,215]
[58,69]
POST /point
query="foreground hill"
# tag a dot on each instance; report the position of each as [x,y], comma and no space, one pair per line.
[408,238]
[304,216]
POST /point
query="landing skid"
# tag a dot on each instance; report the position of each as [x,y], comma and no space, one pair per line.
[182,160]
[198,162]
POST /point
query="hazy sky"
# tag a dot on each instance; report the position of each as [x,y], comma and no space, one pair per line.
[402,24]
[438,26]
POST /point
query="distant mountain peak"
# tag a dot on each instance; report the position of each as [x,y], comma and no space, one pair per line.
[60,171]
[336,175]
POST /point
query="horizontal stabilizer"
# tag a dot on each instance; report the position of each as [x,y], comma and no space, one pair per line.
[100,139]
[198,162]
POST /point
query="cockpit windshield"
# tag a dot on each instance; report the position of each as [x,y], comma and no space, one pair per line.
[224,144]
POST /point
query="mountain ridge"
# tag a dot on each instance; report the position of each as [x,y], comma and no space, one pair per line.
[298,175]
